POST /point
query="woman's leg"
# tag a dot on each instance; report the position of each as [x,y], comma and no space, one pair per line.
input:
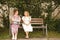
[16,31]
[16,35]
[12,35]
[27,34]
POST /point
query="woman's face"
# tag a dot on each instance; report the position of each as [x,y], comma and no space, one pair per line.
[26,13]
[16,13]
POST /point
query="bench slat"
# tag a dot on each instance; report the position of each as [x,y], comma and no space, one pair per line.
[36,27]
[36,23]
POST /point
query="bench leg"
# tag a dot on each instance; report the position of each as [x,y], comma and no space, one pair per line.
[46,30]
[43,31]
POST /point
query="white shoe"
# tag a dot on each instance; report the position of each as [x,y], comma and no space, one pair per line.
[12,38]
[27,37]
[15,38]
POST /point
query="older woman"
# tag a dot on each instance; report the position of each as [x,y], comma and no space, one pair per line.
[15,21]
[26,23]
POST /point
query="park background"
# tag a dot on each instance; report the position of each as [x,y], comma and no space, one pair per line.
[49,10]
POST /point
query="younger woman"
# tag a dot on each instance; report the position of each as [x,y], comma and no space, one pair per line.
[15,21]
[27,23]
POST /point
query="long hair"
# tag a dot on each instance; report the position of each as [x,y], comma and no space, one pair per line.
[15,11]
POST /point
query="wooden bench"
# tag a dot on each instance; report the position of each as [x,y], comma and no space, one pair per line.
[39,23]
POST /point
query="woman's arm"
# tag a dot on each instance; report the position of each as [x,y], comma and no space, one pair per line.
[30,19]
[19,19]
[23,19]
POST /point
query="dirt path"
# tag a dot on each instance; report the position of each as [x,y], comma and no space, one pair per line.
[36,39]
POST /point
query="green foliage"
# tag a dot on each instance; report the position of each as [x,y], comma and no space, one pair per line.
[34,7]
[57,25]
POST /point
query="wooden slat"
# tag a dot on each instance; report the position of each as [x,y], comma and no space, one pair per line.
[36,19]
[37,23]
[36,27]
[39,27]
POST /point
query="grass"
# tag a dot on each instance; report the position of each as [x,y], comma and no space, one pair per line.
[53,34]
[4,34]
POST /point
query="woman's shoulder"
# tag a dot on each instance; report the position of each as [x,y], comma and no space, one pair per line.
[29,16]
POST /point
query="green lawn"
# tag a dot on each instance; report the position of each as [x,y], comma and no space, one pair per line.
[4,34]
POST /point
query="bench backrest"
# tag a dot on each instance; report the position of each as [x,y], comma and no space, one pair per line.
[37,21]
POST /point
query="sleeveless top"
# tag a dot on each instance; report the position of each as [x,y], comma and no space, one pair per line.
[16,20]
[26,19]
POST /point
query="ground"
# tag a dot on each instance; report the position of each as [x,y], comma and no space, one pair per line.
[36,39]
[35,35]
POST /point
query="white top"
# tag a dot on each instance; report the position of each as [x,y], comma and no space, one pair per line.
[26,20]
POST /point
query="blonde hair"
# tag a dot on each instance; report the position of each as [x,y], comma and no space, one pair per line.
[27,12]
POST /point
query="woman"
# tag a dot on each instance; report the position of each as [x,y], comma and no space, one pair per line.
[27,23]
[15,21]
